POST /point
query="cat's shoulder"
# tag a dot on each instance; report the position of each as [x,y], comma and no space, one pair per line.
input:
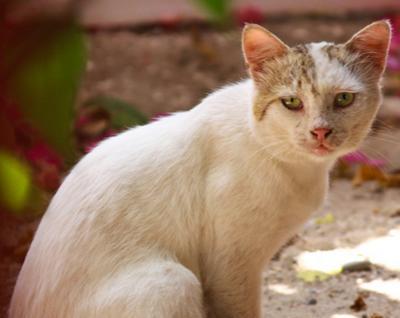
[239,92]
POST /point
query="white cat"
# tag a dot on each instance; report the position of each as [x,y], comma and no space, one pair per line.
[178,218]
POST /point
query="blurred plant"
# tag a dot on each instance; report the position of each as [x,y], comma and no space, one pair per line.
[15,182]
[45,82]
[218,10]
[102,117]
[43,58]
[248,14]
[222,13]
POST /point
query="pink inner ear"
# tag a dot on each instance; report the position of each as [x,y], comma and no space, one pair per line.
[259,45]
[373,41]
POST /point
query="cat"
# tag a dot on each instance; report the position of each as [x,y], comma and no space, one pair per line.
[178,218]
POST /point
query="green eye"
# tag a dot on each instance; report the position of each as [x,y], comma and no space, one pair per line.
[344,99]
[292,102]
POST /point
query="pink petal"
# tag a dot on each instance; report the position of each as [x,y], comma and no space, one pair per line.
[248,14]
[359,157]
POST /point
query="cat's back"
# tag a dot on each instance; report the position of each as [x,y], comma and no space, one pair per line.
[172,140]
[100,210]
[137,189]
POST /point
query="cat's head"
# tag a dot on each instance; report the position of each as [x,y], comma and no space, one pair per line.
[316,100]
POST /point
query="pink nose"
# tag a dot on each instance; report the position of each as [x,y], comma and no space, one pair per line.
[321,133]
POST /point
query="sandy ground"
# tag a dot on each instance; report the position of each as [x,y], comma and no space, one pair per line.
[158,72]
[365,214]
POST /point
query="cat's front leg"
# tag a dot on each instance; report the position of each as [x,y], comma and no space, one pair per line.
[233,297]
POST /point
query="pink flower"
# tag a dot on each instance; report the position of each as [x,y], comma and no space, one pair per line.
[41,152]
[248,14]
[393,64]
[359,157]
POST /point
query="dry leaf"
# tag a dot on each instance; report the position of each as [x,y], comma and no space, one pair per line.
[396,214]
[326,219]
[359,304]
[368,173]
[392,180]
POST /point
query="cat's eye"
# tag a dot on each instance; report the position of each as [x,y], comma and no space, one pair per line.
[344,99]
[292,102]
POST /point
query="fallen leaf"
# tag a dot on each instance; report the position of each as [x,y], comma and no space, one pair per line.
[372,173]
[320,265]
[375,315]
[326,219]
[392,180]
[368,173]
[396,214]
[310,276]
[359,304]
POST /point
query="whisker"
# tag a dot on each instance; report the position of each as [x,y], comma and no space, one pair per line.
[385,139]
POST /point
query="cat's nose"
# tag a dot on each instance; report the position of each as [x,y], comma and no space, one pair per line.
[321,133]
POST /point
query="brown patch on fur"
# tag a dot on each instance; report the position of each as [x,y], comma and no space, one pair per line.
[305,73]
[331,50]
[309,72]
[295,67]
[300,49]
[260,107]
[359,65]
[335,52]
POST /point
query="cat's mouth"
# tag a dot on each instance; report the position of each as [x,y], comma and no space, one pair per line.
[322,150]
[319,149]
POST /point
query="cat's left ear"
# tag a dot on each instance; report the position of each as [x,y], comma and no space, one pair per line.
[372,43]
[259,45]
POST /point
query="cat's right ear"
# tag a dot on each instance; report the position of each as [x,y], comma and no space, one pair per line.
[259,45]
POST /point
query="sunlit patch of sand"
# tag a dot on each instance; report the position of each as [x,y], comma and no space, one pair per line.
[382,251]
[389,288]
[282,289]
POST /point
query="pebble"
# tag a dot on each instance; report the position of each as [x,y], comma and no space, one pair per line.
[312,302]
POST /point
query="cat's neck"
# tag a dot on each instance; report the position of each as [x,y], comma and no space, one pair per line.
[299,167]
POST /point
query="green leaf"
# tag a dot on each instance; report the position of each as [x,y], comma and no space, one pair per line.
[217,9]
[46,83]
[309,276]
[326,219]
[123,114]
[15,182]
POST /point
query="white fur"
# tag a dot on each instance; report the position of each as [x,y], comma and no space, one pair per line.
[332,72]
[173,219]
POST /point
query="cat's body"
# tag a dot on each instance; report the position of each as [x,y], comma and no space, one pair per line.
[176,218]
